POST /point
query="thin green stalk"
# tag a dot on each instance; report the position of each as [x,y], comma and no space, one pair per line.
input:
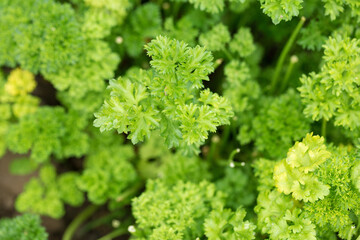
[117,232]
[293,61]
[159,2]
[227,54]
[323,128]
[233,153]
[98,222]
[213,146]
[137,2]
[224,137]
[284,53]
[176,9]
[130,192]
[230,162]
[120,199]
[351,232]
[85,214]
[218,62]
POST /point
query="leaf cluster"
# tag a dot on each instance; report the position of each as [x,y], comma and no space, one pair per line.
[47,194]
[180,209]
[25,227]
[168,98]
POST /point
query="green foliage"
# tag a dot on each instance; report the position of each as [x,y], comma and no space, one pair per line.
[279,217]
[280,10]
[144,23]
[22,166]
[47,194]
[63,46]
[170,102]
[263,170]
[3,131]
[334,8]
[96,64]
[102,15]
[176,29]
[40,35]
[157,161]
[295,173]
[25,227]
[242,43]
[312,37]
[243,92]
[240,87]
[236,183]
[15,100]
[180,210]
[58,56]
[335,211]
[322,189]
[278,124]
[49,131]
[216,38]
[355,176]
[178,167]
[108,171]
[211,6]
[226,224]
[332,93]
[20,82]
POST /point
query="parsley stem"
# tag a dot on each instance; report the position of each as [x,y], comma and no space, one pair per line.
[213,146]
[117,232]
[233,153]
[227,54]
[224,137]
[97,222]
[284,53]
[137,2]
[218,62]
[176,9]
[85,214]
[351,232]
[122,200]
[323,128]
[293,61]
[230,162]
[130,192]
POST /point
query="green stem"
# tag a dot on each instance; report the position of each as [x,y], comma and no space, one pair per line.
[121,198]
[137,2]
[323,128]
[176,9]
[117,232]
[227,54]
[230,162]
[351,232]
[233,153]
[85,214]
[284,53]
[98,222]
[130,192]
[293,61]
[224,137]
[218,62]
[214,142]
